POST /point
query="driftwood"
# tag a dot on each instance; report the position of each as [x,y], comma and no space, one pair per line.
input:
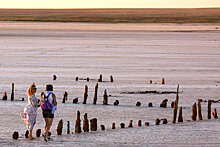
[149,92]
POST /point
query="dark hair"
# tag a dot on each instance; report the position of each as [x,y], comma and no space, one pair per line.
[49,87]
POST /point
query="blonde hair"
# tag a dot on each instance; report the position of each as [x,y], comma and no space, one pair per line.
[29,90]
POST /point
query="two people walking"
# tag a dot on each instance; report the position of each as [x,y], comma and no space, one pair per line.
[48,104]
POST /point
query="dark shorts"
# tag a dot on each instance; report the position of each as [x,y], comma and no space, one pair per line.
[47,114]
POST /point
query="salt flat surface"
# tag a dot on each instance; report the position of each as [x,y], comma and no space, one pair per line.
[185,54]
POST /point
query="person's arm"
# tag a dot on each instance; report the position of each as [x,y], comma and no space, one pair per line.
[42,95]
[54,99]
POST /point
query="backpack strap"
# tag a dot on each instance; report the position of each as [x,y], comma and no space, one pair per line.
[47,95]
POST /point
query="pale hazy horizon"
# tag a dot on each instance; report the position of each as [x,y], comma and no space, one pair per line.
[109,4]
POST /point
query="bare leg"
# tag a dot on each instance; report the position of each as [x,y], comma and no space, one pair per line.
[30,132]
[48,125]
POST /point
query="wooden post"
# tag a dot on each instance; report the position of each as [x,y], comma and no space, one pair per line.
[26,134]
[139,123]
[75,101]
[175,108]
[138,103]
[147,124]
[87,79]
[68,127]
[65,97]
[105,98]
[215,113]
[164,103]
[150,105]
[172,104]
[85,123]
[60,127]
[12,92]
[194,112]
[113,125]
[199,110]
[102,127]
[111,79]
[78,123]
[15,135]
[100,78]
[164,121]
[157,121]
[122,125]
[93,124]
[5,96]
[85,94]
[151,81]
[77,78]
[54,77]
[163,81]
[209,109]
[130,124]
[38,132]
[96,94]
[180,118]
[116,102]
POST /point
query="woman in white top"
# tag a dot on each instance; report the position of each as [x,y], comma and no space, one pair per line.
[30,111]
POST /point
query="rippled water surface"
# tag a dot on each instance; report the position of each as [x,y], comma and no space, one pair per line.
[188,55]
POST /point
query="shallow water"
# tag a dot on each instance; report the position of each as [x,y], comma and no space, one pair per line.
[134,54]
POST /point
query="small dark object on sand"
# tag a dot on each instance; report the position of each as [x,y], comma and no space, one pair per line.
[75,100]
[138,103]
[15,135]
[38,132]
[150,105]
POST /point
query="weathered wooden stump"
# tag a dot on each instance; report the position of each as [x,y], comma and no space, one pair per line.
[26,134]
[116,102]
[85,123]
[199,110]
[122,125]
[175,107]
[215,113]
[96,94]
[77,78]
[54,77]
[164,120]
[209,109]
[22,99]
[38,132]
[75,101]
[151,81]
[164,103]
[5,96]
[163,81]
[49,133]
[85,94]
[105,98]
[60,127]
[147,123]
[12,92]
[194,112]
[102,127]
[87,79]
[139,123]
[172,104]
[180,118]
[150,105]
[130,124]
[15,135]
[113,125]
[93,124]
[100,78]
[157,121]
[65,97]
[78,123]
[68,127]
[138,103]
[111,79]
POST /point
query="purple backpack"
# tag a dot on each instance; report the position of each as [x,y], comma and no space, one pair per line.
[45,103]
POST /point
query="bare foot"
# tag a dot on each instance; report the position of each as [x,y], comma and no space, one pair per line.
[31,138]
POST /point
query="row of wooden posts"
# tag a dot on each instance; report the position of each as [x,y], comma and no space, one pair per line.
[5,97]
